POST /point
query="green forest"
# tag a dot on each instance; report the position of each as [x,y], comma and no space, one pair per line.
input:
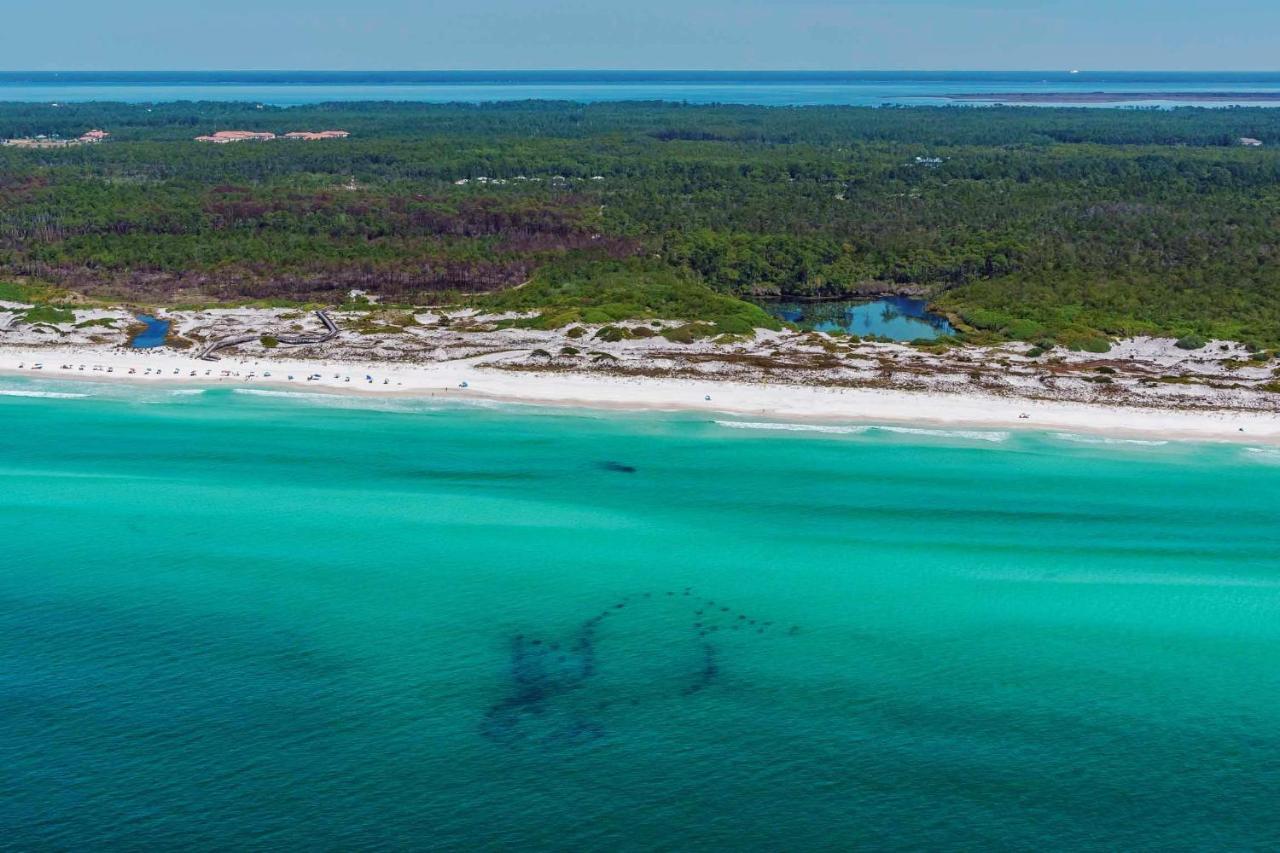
[1030,223]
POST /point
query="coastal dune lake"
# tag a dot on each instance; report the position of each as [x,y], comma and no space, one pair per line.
[244,620]
[153,333]
[897,318]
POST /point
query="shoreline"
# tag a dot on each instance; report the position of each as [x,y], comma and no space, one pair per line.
[817,404]
[1101,97]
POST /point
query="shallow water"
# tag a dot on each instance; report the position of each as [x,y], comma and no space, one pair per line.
[898,318]
[244,621]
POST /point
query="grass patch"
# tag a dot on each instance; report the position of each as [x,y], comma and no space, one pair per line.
[13,291]
[49,314]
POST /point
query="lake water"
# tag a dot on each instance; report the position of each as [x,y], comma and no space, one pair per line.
[866,88]
[235,620]
[153,336]
[897,318]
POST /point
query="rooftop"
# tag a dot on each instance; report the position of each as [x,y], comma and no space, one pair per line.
[222,137]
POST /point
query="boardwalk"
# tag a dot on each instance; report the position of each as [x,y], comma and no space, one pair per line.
[330,332]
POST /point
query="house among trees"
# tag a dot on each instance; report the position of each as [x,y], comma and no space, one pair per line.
[42,141]
[222,137]
[312,135]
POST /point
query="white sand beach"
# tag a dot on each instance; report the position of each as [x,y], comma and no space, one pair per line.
[473,378]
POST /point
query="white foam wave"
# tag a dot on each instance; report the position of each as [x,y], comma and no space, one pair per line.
[296,395]
[967,434]
[48,395]
[345,401]
[1264,454]
[837,430]
[1102,439]
[187,392]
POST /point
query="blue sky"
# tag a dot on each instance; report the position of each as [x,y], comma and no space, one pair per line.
[652,34]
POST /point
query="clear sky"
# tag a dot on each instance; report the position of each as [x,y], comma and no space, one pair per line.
[640,34]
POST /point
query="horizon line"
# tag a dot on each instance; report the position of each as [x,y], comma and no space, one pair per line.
[595,70]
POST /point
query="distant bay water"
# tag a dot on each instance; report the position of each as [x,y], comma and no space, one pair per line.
[773,88]
[249,619]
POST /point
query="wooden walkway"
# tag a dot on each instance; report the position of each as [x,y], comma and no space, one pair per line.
[330,332]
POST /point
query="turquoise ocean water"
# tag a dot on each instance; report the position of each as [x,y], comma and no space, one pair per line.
[771,88]
[248,621]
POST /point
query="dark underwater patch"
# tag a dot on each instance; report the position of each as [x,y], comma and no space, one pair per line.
[553,696]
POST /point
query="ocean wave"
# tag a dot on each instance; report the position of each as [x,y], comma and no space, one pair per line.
[296,395]
[48,395]
[370,403]
[966,434]
[837,430]
[969,434]
[1264,454]
[1102,439]
[187,392]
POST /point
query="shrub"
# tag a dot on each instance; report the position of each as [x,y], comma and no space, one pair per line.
[1035,352]
[612,334]
[1024,330]
[735,325]
[270,341]
[1190,342]
[1086,343]
[596,316]
[575,332]
[607,292]
[569,350]
[689,332]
